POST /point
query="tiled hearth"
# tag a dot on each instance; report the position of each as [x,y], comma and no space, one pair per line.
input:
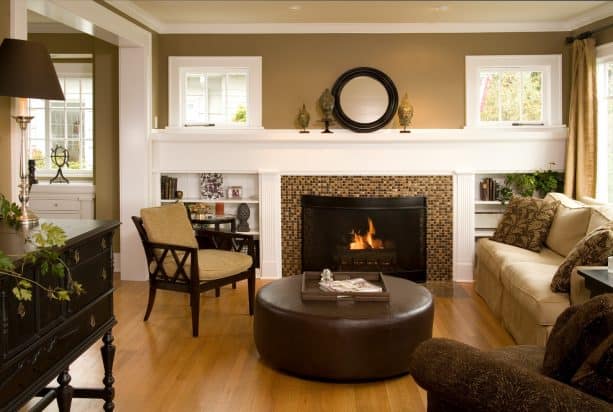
[437,189]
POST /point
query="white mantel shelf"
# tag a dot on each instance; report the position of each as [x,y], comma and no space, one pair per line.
[476,135]
[463,154]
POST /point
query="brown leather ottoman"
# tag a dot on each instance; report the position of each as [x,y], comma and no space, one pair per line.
[341,340]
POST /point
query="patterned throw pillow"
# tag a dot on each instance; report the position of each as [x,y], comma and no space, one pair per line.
[592,250]
[525,222]
[579,338]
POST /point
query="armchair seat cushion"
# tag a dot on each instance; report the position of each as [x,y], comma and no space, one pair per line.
[215,264]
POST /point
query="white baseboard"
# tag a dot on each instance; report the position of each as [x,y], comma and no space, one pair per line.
[463,272]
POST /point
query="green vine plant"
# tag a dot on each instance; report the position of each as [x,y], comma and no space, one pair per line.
[45,258]
[8,211]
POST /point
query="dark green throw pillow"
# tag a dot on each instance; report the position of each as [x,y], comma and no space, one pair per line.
[526,222]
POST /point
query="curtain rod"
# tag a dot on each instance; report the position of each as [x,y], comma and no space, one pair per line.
[587,34]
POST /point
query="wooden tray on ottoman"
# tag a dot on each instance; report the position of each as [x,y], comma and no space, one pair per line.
[311,291]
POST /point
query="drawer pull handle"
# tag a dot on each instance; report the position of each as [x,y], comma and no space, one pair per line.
[103,274]
[76,256]
[55,205]
[103,243]
[92,321]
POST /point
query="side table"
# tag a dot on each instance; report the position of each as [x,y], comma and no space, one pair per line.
[216,221]
[597,279]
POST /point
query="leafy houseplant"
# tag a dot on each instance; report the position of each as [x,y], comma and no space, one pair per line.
[526,184]
[44,256]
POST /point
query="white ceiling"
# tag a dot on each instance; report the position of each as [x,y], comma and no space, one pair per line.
[179,16]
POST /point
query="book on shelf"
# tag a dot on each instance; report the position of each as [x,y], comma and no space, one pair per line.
[488,188]
[168,187]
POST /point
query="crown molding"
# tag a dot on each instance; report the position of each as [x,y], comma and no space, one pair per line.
[51,28]
[136,12]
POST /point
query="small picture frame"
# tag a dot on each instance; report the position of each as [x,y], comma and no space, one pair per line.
[235,192]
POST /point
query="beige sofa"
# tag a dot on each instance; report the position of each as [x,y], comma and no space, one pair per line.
[514,282]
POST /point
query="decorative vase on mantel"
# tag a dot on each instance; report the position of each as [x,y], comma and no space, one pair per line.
[405,113]
[303,119]
[326,103]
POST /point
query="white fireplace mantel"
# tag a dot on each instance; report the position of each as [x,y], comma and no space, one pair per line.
[461,153]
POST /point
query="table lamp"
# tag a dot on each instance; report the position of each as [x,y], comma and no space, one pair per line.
[26,71]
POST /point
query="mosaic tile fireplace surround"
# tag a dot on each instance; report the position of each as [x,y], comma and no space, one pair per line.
[438,191]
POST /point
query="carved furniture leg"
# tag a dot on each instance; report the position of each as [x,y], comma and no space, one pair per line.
[108,356]
[64,391]
[217,292]
[195,304]
[251,289]
[152,290]
[233,285]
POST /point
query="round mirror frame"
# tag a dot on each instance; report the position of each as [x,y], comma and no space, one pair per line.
[392,103]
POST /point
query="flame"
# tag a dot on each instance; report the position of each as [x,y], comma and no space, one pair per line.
[367,240]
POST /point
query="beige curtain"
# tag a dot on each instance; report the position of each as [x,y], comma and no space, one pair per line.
[580,177]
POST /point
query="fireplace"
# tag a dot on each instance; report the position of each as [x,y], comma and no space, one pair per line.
[374,234]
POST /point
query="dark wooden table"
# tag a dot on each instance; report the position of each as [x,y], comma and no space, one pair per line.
[41,338]
[216,221]
[597,280]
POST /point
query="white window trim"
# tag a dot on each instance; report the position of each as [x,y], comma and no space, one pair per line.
[177,65]
[604,54]
[75,69]
[550,64]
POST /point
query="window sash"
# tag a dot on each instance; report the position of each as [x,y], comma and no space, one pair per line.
[604,168]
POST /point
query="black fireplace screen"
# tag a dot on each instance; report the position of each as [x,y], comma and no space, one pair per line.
[365,234]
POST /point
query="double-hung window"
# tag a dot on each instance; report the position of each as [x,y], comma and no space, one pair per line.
[215,92]
[67,123]
[604,81]
[514,90]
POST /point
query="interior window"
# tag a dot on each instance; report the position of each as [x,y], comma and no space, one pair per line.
[604,189]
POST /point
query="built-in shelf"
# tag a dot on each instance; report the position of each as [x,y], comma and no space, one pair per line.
[484,232]
[198,200]
[488,202]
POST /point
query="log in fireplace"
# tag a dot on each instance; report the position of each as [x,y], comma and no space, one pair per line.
[382,234]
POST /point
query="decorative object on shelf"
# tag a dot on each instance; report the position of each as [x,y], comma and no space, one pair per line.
[26,72]
[243,213]
[235,192]
[32,172]
[178,194]
[326,103]
[405,113]
[211,186]
[365,99]
[219,209]
[303,119]
[59,157]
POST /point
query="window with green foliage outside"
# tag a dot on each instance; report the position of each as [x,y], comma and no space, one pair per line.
[215,98]
[510,96]
[67,123]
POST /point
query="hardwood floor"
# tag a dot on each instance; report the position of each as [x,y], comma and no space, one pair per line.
[160,367]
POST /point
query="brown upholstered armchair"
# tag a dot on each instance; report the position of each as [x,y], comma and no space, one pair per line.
[573,373]
[180,261]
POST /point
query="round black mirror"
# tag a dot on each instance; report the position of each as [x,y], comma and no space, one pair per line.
[365,99]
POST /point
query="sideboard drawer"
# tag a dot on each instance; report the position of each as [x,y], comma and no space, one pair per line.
[55,205]
[96,277]
[84,251]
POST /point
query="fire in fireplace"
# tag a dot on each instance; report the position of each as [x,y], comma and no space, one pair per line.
[365,234]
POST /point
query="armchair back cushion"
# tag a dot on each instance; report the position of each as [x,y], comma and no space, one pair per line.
[577,333]
[169,224]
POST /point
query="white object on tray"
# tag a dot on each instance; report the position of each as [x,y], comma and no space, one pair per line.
[350,285]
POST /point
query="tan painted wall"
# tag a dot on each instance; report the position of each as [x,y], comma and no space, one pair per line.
[5,114]
[602,37]
[297,67]
[106,114]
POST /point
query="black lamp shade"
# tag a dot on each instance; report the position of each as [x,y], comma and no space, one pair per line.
[26,70]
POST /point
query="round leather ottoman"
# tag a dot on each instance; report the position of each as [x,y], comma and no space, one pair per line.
[341,340]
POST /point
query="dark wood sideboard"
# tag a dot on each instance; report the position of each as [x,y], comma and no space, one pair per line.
[41,338]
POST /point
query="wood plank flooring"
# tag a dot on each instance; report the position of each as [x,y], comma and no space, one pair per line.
[160,367]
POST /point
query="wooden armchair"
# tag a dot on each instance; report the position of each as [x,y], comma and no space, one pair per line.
[177,261]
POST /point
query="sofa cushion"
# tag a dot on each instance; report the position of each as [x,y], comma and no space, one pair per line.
[497,255]
[595,376]
[527,283]
[599,216]
[592,250]
[525,222]
[578,331]
[568,228]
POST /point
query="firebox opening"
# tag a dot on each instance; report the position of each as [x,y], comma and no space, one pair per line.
[365,234]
